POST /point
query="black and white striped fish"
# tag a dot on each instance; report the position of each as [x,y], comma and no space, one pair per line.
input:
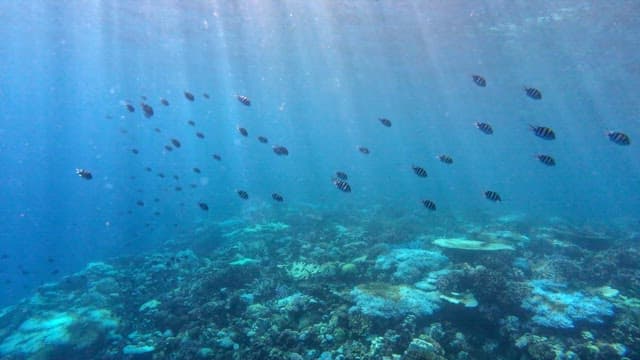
[546,159]
[243,194]
[533,93]
[364,150]
[479,80]
[244,100]
[130,107]
[342,185]
[280,150]
[429,204]
[419,171]
[619,138]
[263,139]
[243,131]
[386,122]
[277,197]
[189,96]
[484,127]
[543,132]
[147,110]
[445,159]
[492,195]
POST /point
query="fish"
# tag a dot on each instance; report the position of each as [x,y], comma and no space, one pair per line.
[342,175]
[280,150]
[492,195]
[55,272]
[386,122]
[484,127]
[130,107]
[200,135]
[178,188]
[429,204]
[203,206]
[243,131]
[277,197]
[216,157]
[619,138]
[244,100]
[147,110]
[206,96]
[156,199]
[189,96]
[176,143]
[364,150]
[161,175]
[193,186]
[533,93]
[421,172]
[191,122]
[479,80]
[176,177]
[445,159]
[85,174]
[148,169]
[196,170]
[546,159]
[157,130]
[263,139]
[135,151]
[543,132]
[144,98]
[168,148]
[341,185]
[164,102]
[140,203]
[243,194]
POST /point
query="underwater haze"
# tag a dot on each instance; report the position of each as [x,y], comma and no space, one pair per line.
[130,137]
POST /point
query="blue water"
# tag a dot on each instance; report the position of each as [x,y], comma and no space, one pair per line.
[319,74]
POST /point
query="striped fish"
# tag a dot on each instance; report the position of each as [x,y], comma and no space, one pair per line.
[243,131]
[429,204]
[189,96]
[342,185]
[244,100]
[386,122]
[619,138]
[546,159]
[419,171]
[492,195]
[446,159]
[280,150]
[479,80]
[484,127]
[277,197]
[543,132]
[364,150]
[533,93]
[243,194]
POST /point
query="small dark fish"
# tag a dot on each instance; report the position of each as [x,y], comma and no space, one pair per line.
[342,185]
[200,135]
[206,96]
[176,177]
[85,174]
[484,127]
[147,110]
[168,148]
[533,93]
[203,206]
[191,122]
[280,150]
[277,197]
[386,122]
[140,203]
[243,194]
[263,139]
[161,175]
[216,157]
[164,102]
[50,259]
[144,98]
[445,159]
[546,159]
[243,131]
[479,80]
[135,151]
[189,96]
[124,131]
[55,272]
[196,170]
[419,171]
[148,169]
[4,256]
[156,199]
[543,132]
[157,130]
[342,175]
[429,204]
[156,213]
[244,100]
[619,138]
[176,143]
[178,188]
[130,108]
[193,186]
[364,150]
[492,195]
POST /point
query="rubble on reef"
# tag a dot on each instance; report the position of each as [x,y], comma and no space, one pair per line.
[325,288]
